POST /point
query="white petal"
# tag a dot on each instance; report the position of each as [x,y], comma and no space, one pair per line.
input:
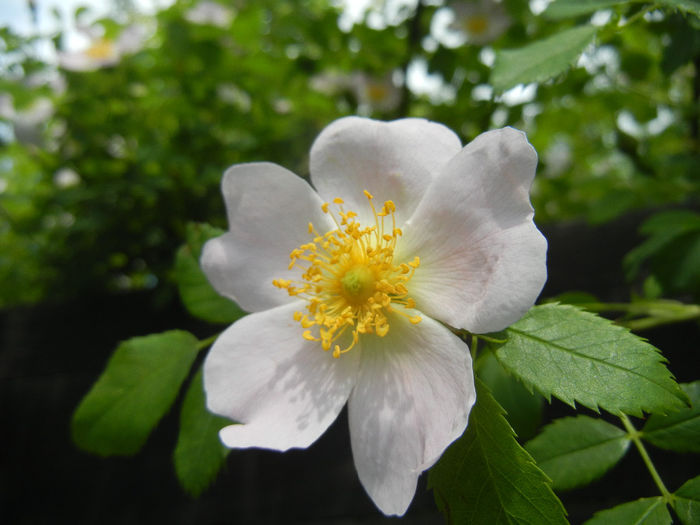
[482,260]
[269,209]
[284,389]
[412,399]
[392,160]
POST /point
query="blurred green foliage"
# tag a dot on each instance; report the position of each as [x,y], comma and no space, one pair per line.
[96,192]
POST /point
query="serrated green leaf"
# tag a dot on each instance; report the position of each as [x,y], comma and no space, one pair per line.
[574,451]
[523,407]
[688,6]
[580,357]
[199,454]
[686,502]
[198,296]
[136,389]
[570,8]
[679,431]
[540,60]
[487,477]
[645,511]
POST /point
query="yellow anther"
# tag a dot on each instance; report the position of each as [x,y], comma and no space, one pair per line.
[350,280]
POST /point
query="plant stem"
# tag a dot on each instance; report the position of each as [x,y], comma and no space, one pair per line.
[634,435]
[651,313]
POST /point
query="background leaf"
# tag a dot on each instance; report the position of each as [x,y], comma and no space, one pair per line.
[689,6]
[199,454]
[542,59]
[645,511]
[580,357]
[198,296]
[571,8]
[487,477]
[574,451]
[672,251]
[136,389]
[679,431]
[523,407]
[686,502]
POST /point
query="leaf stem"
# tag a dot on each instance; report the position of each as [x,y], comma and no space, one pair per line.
[634,435]
[204,343]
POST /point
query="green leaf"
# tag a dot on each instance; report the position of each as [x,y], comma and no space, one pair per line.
[523,408]
[686,502]
[577,450]
[570,8]
[663,229]
[199,454]
[580,357]
[540,60]
[136,389]
[645,511]
[679,431]
[198,296]
[689,6]
[487,477]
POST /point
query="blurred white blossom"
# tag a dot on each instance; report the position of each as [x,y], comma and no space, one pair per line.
[211,13]
[28,123]
[66,178]
[104,52]
[376,93]
[480,22]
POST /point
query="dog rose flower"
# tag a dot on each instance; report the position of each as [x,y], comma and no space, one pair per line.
[354,283]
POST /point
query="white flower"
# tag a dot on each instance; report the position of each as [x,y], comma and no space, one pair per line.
[376,93]
[104,52]
[354,282]
[66,178]
[29,124]
[212,13]
[481,21]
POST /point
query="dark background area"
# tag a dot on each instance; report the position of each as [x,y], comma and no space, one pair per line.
[50,355]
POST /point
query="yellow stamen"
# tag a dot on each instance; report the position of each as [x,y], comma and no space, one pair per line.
[350,280]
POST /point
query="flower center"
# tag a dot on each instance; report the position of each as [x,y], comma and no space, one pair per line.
[476,24]
[101,49]
[350,279]
[358,284]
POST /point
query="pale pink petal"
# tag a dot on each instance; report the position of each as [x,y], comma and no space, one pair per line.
[284,390]
[392,160]
[269,209]
[482,260]
[412,399]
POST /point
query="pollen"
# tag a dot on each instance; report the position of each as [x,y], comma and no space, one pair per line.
[350,279]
